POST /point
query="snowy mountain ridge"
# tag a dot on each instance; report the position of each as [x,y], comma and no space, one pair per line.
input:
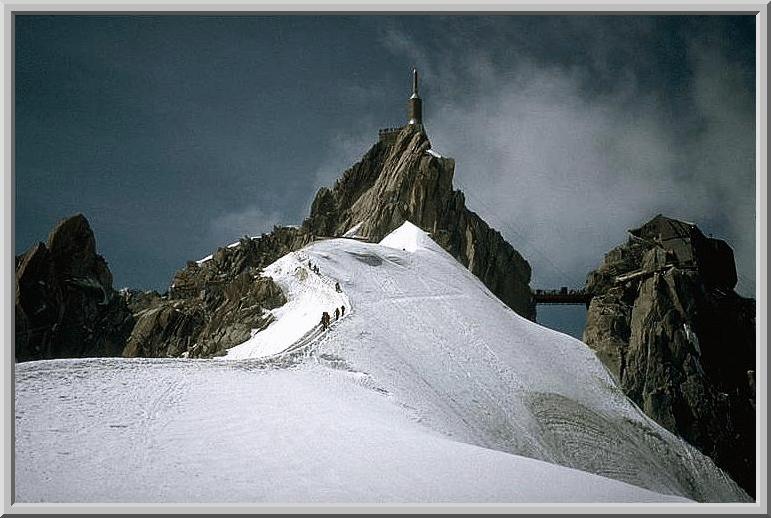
[429,377]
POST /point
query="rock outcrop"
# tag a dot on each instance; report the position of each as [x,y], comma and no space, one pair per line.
[65,304]
[212,304]
[667,323]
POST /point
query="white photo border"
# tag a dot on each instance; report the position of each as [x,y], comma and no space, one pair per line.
[7,283]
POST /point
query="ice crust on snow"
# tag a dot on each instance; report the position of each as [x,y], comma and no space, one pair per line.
[430,379]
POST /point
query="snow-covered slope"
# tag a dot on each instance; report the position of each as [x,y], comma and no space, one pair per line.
[200,431]
[297,322]
[425,331]
[429,389]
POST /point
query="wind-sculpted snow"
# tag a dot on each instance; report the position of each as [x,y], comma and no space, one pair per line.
[429,390]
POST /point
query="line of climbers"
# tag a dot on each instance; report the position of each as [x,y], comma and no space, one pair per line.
[339,312]
[326,318]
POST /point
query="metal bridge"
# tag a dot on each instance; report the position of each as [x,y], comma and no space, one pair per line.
[562,296]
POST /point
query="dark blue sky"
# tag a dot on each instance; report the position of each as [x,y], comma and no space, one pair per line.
[178,134]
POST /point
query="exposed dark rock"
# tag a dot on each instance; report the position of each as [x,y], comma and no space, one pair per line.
[667,323]
[65,304]
[212,305]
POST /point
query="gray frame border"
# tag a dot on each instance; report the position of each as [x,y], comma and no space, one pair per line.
[235,7]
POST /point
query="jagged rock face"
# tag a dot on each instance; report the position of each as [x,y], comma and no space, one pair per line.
[668,325]
[402,181]
[65,304]
[212,305]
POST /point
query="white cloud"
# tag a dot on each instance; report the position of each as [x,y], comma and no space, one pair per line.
[563,174]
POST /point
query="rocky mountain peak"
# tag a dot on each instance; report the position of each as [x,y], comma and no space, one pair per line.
[405,180]
[65,304]
[389,185]
[216,303]
[72,238]
[679,340]
[72,246]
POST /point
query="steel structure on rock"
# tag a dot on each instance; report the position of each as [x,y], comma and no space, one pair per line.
[415,104]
